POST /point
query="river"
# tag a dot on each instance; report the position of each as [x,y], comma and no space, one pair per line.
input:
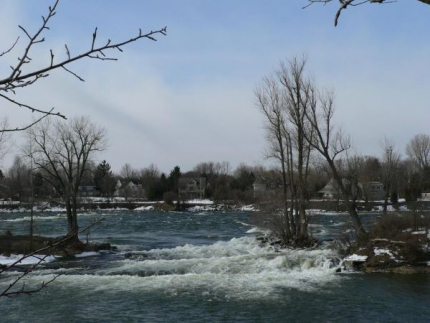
[205,267]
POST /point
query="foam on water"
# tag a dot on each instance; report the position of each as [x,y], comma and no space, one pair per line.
[87,254]
[27,261]
[238,268]
[35,218]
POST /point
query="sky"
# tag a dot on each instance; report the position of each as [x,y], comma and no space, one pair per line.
[189,97]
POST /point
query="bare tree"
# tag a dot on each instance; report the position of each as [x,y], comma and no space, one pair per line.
[5,143]
[390,166]
[18,179]
[418,150]
[344,4]
[128,172]
[269,102]
[20,77]
[283,100]
[331,143]
[296,96]
[62,151]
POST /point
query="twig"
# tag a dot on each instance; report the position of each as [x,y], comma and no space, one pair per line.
[344,4]
[7,51]
[50,249]
[19,79]
[32,108]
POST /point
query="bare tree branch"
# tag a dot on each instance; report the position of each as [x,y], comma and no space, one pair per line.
[46,113]
[47,251]
[29,125]
[74,74]
[344,4]
[10,48]
[19,79]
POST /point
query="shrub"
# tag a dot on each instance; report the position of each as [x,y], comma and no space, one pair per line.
[169,197]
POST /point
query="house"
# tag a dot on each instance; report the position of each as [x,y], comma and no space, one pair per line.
[192,187]
[129,189]
[265,187]
[370,191]
[88,190]
[425,195]
[260,188]
[330,191]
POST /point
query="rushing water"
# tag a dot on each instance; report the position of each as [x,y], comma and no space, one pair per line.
[206,267]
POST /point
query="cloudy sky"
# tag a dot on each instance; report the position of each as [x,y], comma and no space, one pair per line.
[189,97]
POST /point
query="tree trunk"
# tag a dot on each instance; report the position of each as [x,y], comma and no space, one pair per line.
[352,210]
[75,227]
[69,213]
[71,217]
[285,196]
[303,223]
[351,205]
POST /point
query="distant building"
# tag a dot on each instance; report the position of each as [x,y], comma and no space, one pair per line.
[425,195]
[129,189]
[265,187]
[370,191]
[192,187]
[88,190]
[330,191]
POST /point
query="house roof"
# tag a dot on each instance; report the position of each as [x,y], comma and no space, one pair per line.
[201,181]
[331,187]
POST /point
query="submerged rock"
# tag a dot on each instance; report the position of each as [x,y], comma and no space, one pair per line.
[25,244]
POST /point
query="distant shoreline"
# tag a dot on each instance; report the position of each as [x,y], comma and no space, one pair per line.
[313,206]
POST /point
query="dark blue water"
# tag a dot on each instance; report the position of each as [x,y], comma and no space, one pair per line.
[206,267]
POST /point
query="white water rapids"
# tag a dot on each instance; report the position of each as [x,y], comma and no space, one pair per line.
[239,268]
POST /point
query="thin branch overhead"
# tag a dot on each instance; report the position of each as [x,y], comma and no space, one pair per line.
[47,251]
[10,48]
[344,4]
[19,78]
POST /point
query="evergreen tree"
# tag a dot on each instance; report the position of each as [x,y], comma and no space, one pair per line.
[157,189]
[173,179]
[104,179]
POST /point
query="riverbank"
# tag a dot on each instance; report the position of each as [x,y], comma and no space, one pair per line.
[406,253]
[189,206]
[205,205]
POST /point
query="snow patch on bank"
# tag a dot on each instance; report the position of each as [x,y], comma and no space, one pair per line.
[200,201]
[202,208]
[144,208]
[222,207]
[381,252]
[356,258]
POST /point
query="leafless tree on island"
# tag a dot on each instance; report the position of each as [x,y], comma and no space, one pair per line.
[282,99]
[331,142]
[62,151]
[391,161]
[41,255]
[61,172]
